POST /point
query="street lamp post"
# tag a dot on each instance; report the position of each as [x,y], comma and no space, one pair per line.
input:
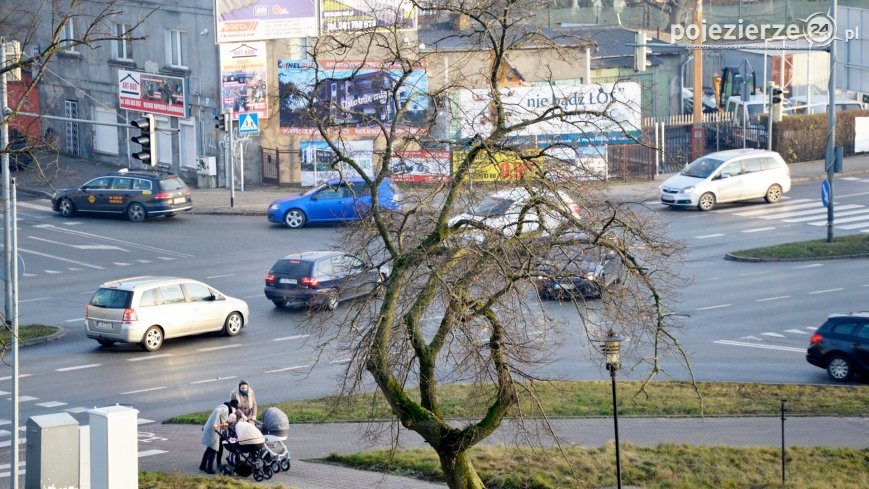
[612,345]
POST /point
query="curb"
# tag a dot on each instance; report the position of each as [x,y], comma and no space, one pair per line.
[60,333]
[752,259]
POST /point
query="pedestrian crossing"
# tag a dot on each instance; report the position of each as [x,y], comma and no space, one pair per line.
[805,211]
[789,340]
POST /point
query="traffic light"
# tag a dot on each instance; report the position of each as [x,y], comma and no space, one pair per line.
[147,138]
[223,122]
[776,98]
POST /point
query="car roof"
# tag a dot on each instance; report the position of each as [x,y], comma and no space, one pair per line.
[734,153]
[335,181]
[312,255]
[130,283]
[141,173]
[859,314]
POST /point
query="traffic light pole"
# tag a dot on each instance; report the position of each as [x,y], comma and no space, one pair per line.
[231,160]
[830,156]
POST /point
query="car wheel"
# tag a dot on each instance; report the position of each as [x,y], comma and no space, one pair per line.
[153,339]
[773,194]
[232,325]
[106,342]
[66,207]
[839,368]
[279,302]
[706,202]
[332,300]
[295,218]
[136,212]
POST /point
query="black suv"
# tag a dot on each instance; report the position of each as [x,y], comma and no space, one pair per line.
[135,193]
[841,345]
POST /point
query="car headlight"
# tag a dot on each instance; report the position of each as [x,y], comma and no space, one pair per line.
[688,190]
[274,207]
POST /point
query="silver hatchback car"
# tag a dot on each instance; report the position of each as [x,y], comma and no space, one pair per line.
[147,310]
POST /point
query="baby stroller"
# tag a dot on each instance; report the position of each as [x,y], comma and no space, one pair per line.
[246,458]
[275,428]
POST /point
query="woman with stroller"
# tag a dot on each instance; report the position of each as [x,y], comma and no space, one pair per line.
[211,439]
[246,401]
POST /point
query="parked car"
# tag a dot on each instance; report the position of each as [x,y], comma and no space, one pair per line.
[584,274]
[501,212]
[20,157]
[321,279]
[136,194]
[728,176]
[147,310]
[333,201]
[841,345]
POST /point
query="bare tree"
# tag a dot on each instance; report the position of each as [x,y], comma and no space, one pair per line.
[44,23]
[461,303]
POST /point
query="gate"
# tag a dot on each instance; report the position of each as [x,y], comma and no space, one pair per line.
[280,166]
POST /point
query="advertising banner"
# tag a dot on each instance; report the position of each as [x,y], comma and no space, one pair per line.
[251,20]
[581,163]
[619,101]
[494,167]
[421,166]
[352,95]
[317,158]
[152,93]
[352,15]
[243,79]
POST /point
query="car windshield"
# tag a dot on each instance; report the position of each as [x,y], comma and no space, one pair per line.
[112,298]
[491,206]
[173,183]
[293,268]
[701,168]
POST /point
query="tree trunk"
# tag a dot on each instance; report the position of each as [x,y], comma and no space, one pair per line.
[459,471]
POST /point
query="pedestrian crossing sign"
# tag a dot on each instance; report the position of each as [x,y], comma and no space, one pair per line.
[248,122]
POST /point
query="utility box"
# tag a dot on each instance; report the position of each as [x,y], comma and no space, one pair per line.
[206,171]
[52,452]
[114,447]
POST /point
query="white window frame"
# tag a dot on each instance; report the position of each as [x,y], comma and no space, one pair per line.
[123,45]
[176,51]
[68,36]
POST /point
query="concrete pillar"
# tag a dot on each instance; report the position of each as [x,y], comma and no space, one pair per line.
[52,452]
[114,447]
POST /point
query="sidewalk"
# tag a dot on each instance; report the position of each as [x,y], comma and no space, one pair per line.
[255,199]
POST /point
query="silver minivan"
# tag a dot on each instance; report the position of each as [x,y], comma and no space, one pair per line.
[728,176]
[147,310]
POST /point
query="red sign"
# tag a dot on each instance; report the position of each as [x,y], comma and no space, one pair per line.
[153,93]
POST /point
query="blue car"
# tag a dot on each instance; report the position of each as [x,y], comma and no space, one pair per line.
[333,201]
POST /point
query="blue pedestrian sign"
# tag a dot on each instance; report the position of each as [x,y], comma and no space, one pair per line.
[825,193]
[248,122]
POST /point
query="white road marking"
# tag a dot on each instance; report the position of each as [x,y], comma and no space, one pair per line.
[764,212]
[78,367]
[825,291]
[252,296]
[82,246]
[148,453]
[141,421]
[128,244]
[52,272]
[297,367]
[819,211]
[59,258]
[713,307]
[31,205]
[755,338]
[774,335]
[811,328]
[296,337]
[215,348]
[338,362]
[148,357]
[221,276]
[35,299]
[772,298]
[813,265]
[27,398]
[212,380]
[838,222]
[756,345]
[862,210]
[9,377]
[757,230]
[705,236]
[797,331]
[51,404]
[142,390]
[121,264]
[74,320]
[76,410]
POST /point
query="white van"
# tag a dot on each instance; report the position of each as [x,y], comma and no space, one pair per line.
[728,176]
[818,104]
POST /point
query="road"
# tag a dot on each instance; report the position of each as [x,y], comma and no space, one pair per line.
[740,321]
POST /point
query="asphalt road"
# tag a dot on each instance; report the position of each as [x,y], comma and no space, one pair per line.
[743,322]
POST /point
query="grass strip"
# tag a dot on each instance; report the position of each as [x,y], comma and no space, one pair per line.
[594,398]
[26,332]
[666,466]
[839,247]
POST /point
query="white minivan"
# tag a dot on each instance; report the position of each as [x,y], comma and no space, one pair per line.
[728,176]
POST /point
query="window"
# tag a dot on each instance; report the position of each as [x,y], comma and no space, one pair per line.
[172,294]
[139,184]
[67,41]
[149,298]
[176,53]
[325,268]
[123,45]
[198,292]
[122,183]
[112,298]
[752,165]
[101,183]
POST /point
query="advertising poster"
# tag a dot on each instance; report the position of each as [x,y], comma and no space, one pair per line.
[243,79]
[152,93]
[252,20]
[421,166]
[352,15]
[494,167]
[354,95]
[581,163]
[620,101]
[317,159]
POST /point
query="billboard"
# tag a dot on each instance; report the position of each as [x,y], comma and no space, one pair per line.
[243,79]
[495,167]
[352,15]
[317,159]
[251,20]
[354,96]
[620,101]
[420,166]
[152,93]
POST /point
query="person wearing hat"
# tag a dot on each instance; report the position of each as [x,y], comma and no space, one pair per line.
[246,401]
[211,439]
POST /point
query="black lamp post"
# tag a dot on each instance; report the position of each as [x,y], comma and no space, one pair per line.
[612,346]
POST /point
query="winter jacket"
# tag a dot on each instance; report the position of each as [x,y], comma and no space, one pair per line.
[246,404]
[218,417]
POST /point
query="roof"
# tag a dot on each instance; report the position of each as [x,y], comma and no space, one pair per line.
[733,153]
[311,255]
[132,282]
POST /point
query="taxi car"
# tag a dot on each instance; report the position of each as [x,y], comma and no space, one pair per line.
[137,194]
